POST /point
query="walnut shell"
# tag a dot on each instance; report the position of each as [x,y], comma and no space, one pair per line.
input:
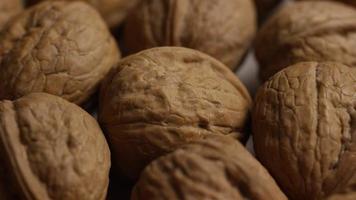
[59,48]
[222,29]
[213,168]
[51,149]
[307,31]
[304,128]
[113,11]
[343,196]
[349,2]
[9,8]
[161,98]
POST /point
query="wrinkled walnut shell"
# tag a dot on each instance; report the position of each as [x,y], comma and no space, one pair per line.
[59,48]
[304,129]
[113,11]
[51,149]
[307,31]
[9,8]
[161,98]
[214,168]
[222,29]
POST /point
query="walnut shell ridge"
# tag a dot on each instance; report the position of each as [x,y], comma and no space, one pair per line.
[161,98]
[213,168]
[9,8]
[113,11]
[307,31]
[51,149]
[304,129]
[60,48]
[223,29]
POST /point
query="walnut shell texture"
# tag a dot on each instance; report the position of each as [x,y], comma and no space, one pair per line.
[51,150]
[307,31]
[214,168]
[304,129]
[113,11]
[9,8]
[343,196]
[59,48]
[223,29]
[161,98]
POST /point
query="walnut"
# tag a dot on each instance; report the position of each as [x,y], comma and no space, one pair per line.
[59,48]
[343,196]
[9,8]
[307,31]
[222,29]
[214,168]
[349,2]
[51,149]
[161,98]
[113,11]
[304,128]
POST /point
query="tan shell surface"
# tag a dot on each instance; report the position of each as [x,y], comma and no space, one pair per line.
[163,97]
[222,29]
[113,11]
[51,150]
[307,31]
[343,196]
[304,129]
[213,168]
[9,8]
[59,48]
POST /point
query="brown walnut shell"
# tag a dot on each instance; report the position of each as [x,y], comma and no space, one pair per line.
[161,98]
[9,8]
[307,31]
[113,11]
[51,149]
[343,196]
[222,29]
[59,48]
[214,168]
[304,129]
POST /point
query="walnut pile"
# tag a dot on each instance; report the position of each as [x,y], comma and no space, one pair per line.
[304,129]
[222,29]
[307,31]
[59,48]
[51,149]
[113,11]
[214,168]
[161,98]
[9,8]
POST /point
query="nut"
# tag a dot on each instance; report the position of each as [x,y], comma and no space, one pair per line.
[161,98]
[9,8]
[307,31]
[113,11]
[349,2]
[304,128]
[51,149]
[59,48]
[213,168]
[222,29]
[343,196]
